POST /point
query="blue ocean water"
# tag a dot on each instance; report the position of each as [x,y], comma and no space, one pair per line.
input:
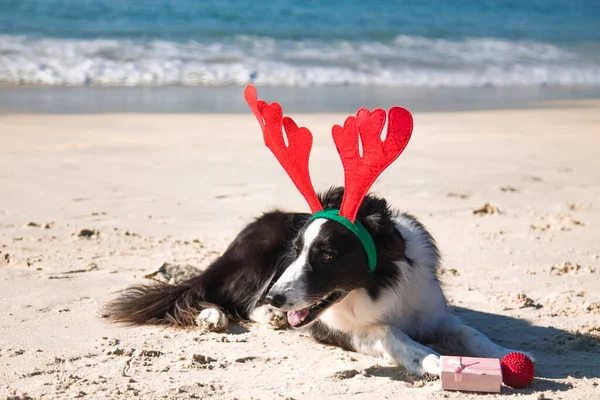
[300,43]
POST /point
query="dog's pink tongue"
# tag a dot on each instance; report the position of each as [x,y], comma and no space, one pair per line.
[295,317]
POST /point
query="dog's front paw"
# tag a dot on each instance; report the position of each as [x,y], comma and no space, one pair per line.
[212,320]
[267,315]
[431,366]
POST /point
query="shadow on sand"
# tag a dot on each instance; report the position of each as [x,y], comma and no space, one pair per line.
[559,353]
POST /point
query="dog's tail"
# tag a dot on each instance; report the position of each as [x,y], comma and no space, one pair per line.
[158,303]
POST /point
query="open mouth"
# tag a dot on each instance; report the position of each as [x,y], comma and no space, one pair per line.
[305,316]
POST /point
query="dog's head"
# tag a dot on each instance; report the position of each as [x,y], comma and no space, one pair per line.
[328,261]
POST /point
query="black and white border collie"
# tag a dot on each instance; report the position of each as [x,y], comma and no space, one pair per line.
[316,272]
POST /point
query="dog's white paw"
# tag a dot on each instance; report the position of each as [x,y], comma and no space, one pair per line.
[431,365]
[267,315]
[212,320]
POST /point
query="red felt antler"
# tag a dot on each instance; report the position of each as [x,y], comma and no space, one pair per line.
[293,157]
[361,172]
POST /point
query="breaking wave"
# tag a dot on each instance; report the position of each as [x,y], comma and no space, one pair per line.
[404,61]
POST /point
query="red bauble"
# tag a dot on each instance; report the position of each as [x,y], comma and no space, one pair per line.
[517,370]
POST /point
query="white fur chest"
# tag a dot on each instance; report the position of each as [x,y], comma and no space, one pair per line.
[356,312]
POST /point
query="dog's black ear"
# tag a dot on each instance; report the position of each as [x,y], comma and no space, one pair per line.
[375,214]
[375,223]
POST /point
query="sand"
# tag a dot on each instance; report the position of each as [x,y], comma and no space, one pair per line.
[90,204]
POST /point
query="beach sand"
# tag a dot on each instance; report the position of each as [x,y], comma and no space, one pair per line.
[90,204]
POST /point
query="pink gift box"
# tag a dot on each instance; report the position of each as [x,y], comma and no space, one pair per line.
[471,374]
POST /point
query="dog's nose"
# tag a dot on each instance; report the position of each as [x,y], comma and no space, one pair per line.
[276,299]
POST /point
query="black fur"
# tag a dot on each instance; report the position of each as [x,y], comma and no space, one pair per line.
[326,335]
[239,279]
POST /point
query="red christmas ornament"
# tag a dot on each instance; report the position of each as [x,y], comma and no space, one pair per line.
[517,370]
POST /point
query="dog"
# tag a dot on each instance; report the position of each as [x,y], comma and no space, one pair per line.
[312,274]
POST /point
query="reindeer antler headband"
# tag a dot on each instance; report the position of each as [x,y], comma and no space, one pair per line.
[360,172]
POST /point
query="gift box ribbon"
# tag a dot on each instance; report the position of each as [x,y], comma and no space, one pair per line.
[460,367]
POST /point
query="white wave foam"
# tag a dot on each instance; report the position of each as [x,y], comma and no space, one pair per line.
[407,61]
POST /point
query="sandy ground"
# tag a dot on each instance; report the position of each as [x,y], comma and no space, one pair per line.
[155,189]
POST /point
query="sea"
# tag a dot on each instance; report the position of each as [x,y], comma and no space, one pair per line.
[386,44]
[90,56]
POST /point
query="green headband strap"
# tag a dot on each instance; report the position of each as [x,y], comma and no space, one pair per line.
[357,228]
